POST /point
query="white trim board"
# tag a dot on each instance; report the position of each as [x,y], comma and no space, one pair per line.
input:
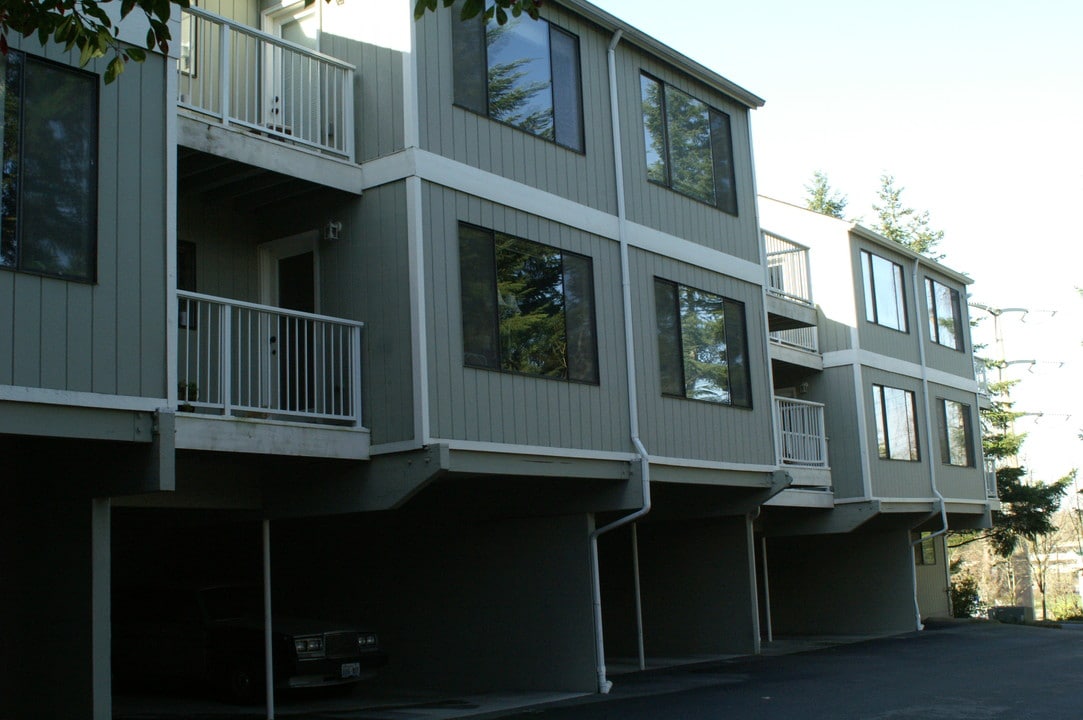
[449,173]
[101,401]
[841,358]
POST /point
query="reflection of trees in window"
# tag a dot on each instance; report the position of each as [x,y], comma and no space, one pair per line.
[527,308]
[884,294]
[688,145]
[532,76]
[945,315]
[49,194]
[896,426]
[702,347]
[956,445]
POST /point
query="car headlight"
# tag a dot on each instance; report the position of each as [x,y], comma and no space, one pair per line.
[366,640]
[310,646]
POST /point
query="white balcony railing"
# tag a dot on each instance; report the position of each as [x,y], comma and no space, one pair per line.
[238,358]
[788,273]
[991,480]
[261,83]
[802,439]
[803,338]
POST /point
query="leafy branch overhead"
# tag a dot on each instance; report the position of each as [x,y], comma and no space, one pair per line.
[84,25]
[498,10]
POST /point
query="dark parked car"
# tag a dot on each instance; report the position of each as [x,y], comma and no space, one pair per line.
[215,636]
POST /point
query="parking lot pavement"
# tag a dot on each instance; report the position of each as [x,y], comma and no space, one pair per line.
[951,670]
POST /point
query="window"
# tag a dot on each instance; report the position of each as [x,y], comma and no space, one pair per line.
[924,548]
[49,201]
[956,434]
[531,78]
[896,427]
[702,345]
[527,308]
[689,146]
[945,316]
[884,295]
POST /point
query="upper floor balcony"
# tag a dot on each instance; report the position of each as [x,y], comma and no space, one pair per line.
[268,102]
[789,284]
[801,438]
[264,379]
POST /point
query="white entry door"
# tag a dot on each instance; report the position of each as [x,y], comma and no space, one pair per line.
[293,83]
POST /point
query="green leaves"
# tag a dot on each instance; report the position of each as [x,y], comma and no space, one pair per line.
[84,25]
[498,10]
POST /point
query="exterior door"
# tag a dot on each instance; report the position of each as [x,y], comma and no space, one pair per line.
[294,80]
[290,280]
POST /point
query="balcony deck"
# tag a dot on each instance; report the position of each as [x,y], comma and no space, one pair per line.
[255,98]
[261,379]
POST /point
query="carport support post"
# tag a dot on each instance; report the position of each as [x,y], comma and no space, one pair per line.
[269,662]
[766,590]
[639,596]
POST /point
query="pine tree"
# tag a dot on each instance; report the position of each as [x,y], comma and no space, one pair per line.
[823,199]
[905,225]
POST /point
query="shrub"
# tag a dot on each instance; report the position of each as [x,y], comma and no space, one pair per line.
[965,600]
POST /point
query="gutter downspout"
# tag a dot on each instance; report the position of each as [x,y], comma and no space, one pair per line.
[919,323]
[604,685]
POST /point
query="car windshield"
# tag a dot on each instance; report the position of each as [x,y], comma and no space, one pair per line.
[230,603]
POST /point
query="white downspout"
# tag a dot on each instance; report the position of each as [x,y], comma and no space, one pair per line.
[919,324]
[604,685]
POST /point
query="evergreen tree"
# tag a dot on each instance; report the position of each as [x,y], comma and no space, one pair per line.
[905,225]
[823,199]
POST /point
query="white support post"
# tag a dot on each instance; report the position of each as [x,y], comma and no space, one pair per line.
[225,353]
[224,71]
[355,380]
[267,644]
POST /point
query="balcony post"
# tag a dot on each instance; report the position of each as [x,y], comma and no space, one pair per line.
[348,118]
[355,379]
[224,71]
[224,367]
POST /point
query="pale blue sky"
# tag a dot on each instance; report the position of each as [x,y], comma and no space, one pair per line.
[975,106]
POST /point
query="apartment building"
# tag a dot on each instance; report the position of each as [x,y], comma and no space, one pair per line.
[881,358]
[461,331]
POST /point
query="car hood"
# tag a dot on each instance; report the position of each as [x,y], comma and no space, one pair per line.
[285,625]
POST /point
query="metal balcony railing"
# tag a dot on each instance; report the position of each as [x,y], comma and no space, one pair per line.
[261,83]
[238,358]
[991,481]
[801,435]
[803,338]
[788,272]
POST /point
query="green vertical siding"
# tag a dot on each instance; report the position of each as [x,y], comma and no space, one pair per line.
[835,389]
[678,427]
[107,336]
[469,138]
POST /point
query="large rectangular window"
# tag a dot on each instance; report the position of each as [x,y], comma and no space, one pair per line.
[702,345]
[689,145]
[945,314]
[956,434]
[896,425]
[524,73]
[49,200]
[527,308]
[885,296]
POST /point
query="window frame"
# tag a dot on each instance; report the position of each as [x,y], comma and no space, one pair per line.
[17,227]
[745,399]
[884,449]
[727,202]
[955,299]
[459,35]
[924,545]
[494,319]
[946,454]
[869,285]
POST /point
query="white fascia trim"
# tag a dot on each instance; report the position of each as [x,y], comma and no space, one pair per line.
[543,450]
[100,401]
[886,363]
[440,170]
[415,223]
[712,464]
[912,500]
[411,131]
